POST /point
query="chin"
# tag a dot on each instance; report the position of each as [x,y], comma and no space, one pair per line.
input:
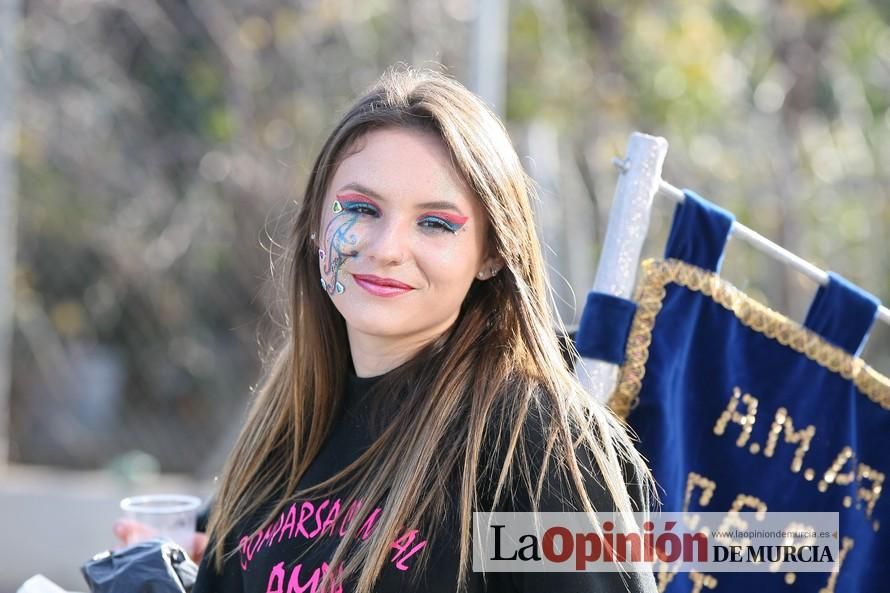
[396,324]
[386,330]
[378,323]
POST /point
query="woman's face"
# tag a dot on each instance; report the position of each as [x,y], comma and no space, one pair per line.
[401,238]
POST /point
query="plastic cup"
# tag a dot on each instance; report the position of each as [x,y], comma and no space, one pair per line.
[164,515]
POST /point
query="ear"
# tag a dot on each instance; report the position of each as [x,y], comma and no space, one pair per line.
[490,267]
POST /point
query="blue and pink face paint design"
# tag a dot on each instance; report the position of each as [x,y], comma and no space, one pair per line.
[341,242]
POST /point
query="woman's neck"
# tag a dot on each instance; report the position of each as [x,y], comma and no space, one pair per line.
[374,355]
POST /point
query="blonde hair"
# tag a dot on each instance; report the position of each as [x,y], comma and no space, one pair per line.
[479,383]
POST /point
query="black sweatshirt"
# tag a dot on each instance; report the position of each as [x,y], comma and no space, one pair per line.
[291,554]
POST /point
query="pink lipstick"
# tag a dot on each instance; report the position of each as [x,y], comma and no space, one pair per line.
[382,287]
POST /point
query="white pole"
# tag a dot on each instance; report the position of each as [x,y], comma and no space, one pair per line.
[620,257]
[9,15]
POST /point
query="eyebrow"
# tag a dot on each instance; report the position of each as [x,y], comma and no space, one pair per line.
[436,205]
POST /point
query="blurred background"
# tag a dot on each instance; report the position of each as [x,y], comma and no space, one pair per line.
[152,152]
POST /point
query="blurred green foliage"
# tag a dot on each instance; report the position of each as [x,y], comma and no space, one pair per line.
[164,143]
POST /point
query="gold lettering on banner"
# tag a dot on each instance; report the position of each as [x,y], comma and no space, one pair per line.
[732,519]
[869,495]
[666,572]
[731,414]
[869,480]
[707,491]
[752,502]
[833,474]
[846,546]
[797,544]
[843,471]
[804,437]
[700,580]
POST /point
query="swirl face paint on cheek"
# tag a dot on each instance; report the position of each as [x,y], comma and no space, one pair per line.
[338,240]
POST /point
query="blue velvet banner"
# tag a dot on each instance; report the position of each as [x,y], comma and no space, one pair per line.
[738,407]
[605,325]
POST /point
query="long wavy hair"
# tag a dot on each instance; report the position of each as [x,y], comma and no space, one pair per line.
[479,383]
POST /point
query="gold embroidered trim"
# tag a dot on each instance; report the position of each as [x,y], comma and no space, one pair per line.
[657,274]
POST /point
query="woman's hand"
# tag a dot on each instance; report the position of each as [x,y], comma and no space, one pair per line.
[129,532]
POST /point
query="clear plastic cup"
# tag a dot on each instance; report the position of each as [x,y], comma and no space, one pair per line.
[164,515]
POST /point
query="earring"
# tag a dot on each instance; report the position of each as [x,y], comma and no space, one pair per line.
[481,275]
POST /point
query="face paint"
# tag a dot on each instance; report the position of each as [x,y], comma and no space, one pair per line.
[338,237]
[442,221]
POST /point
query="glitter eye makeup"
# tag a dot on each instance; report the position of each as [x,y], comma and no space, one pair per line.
[362,208]
[359,204]
[434,221]
[443,221]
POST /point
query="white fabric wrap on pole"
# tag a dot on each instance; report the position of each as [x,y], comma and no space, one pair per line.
[620,257]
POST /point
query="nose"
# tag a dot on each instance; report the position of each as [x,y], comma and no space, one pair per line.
[387,243]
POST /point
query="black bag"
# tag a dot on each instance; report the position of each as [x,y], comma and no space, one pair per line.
[151,566]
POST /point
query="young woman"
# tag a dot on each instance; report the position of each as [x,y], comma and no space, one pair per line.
[420,378]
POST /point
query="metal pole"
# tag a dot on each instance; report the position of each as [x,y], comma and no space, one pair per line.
[620,257]
[10,11]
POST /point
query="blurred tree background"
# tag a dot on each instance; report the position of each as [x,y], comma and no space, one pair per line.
[163,145]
